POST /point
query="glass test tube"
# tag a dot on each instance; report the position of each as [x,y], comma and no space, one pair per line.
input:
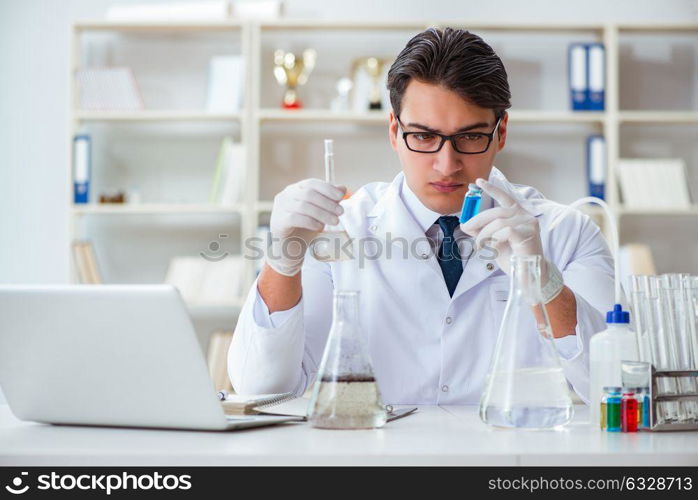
[672,297]
[331,245]
[640,316]
[691,287]
[667,411]
[329,161]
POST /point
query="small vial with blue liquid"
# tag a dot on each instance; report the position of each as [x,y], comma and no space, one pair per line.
[471,203]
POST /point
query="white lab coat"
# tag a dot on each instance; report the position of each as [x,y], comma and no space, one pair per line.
[426,347]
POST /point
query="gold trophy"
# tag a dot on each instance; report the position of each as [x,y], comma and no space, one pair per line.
[373,66]
[293,71]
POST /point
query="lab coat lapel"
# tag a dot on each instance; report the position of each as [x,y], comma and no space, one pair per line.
[391,222]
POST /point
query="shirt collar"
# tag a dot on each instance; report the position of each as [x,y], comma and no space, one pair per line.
[424,216]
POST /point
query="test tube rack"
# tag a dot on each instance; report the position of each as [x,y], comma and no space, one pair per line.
[631,369]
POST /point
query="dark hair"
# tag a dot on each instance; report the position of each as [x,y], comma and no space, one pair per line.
[455,59]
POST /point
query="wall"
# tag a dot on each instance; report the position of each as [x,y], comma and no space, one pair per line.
[34,55]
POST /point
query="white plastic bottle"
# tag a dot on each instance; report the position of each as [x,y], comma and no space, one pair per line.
[607,349]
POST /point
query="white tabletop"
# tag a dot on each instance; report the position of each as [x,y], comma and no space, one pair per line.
[448,435]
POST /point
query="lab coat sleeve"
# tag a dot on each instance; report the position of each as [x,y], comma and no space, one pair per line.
[588,272]
[281,352]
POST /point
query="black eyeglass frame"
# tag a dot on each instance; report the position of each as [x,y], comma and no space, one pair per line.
[452,138]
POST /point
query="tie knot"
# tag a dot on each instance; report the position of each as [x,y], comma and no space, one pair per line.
[448,224]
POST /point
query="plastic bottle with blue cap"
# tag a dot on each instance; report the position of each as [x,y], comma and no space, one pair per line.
[607,349]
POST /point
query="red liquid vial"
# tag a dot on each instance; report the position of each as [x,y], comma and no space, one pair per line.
[628,412]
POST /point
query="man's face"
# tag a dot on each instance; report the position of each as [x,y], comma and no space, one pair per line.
[440,180]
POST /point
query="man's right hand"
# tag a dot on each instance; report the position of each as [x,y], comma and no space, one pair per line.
[299,213]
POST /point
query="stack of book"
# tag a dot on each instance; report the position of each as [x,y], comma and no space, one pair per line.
[203,282]
[108,89]
[229,177]
[217,359]
[86,263]
[654,183]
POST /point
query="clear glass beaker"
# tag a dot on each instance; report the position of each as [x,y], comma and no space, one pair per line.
[526,387]
[346,395]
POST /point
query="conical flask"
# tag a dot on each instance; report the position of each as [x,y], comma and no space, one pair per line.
[345,395]
[526,387]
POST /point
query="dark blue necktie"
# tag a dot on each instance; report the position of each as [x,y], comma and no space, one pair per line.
[449,254]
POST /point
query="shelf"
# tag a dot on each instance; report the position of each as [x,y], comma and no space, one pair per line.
[359,24]
[322,115]
[658,116]
[381,117]
[320,24]
[153,208]
[154,115]
[536,116]
[102,25]
[658,27]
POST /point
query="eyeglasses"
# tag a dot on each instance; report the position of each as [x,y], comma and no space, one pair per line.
[468,143]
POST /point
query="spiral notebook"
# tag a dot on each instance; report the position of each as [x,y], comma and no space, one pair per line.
[278,404]
[286,404]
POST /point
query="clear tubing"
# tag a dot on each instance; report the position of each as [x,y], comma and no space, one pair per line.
[611,221]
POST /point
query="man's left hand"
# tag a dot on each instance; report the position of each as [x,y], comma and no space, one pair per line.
[509,229]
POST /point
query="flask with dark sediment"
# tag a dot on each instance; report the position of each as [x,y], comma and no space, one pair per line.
[346,395]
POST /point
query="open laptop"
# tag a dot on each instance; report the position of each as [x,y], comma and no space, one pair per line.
[109,355]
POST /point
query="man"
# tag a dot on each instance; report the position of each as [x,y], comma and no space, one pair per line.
[429,316]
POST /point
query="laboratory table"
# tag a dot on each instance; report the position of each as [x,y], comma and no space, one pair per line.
[435,435]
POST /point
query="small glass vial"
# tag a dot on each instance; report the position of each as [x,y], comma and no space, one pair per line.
[628,411]
[613,408]
[646,402]
[639,396]
[603,410]
[471,203]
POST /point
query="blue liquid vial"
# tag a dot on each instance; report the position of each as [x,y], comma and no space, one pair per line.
[471,203]
[646,409]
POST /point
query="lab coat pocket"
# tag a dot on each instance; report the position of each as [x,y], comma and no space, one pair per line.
[499,293]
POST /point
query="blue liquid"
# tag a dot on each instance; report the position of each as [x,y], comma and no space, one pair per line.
[646,412]
[471,207]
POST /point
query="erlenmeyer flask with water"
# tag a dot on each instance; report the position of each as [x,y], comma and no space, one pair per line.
[346,395]
[526,387]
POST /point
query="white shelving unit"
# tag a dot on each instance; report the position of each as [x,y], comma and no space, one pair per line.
[257,115]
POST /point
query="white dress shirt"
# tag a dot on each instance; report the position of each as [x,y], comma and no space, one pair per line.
[426,347]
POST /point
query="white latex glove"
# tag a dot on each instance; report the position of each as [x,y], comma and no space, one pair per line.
[509,229]
[299,213]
